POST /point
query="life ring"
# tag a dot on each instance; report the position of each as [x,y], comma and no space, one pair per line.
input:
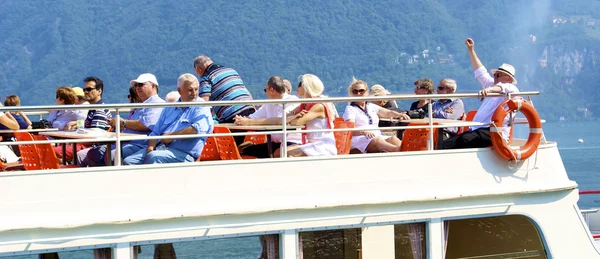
[535,130]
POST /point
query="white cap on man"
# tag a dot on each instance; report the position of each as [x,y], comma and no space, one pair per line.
[143,78]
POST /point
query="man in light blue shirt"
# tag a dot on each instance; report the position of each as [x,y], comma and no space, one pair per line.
[141,121]
[177,121]
[452,109]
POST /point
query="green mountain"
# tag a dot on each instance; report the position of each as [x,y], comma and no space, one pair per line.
[553,44]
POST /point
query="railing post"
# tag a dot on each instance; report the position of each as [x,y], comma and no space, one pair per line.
[283,148]
[435,239]
[117,157]
[122,251]
[289,244]
[429,108]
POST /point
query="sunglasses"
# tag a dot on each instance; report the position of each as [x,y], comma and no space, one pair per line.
[442,87]
[88,89]
[359,91]
[265,90]
[128,96]
[420,87]
[498,75]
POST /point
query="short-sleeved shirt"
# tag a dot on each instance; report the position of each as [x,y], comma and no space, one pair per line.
[98,118]
[174,119]
[361,120]
[147,116]
[224,84]
[275,111]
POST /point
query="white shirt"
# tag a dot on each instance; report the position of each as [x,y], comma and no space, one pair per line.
[276,111]
[361,120]
[489,104]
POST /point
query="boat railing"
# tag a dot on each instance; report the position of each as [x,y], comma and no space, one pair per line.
[118,108]
[41,114]
[587,212]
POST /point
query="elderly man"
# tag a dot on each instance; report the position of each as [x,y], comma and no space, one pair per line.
[177,121]
[504,82]
[141,121]
[219,83]
[448,108]
[268,114]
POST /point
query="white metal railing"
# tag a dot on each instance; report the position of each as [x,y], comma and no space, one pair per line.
[127,107]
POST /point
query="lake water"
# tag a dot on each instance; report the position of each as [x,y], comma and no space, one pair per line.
[580,160]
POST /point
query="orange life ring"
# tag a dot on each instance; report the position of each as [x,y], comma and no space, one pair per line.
[535,130]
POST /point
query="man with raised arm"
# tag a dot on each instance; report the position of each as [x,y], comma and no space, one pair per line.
[177,121]
[503,81]
[141,121]
[269,114]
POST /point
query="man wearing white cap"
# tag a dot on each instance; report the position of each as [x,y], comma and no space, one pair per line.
[141,121]
[503,81]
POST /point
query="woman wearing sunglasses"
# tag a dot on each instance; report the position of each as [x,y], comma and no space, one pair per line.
[422,86]
[366,115]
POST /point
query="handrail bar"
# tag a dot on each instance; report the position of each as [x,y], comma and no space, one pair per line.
[117,107]
[145,137]
[585,192]
[586,211]
[254,102]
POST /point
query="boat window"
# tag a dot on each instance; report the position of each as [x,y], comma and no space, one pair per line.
[87,253]
[266,246]
[334,244]
[512,236]
[409,241]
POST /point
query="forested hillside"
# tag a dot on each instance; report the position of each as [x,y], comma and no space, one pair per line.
[553,44]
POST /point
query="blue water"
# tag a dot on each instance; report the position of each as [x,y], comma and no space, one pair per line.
[580,159]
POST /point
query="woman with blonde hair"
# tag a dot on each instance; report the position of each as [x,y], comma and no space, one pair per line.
[366,116]
[314,116]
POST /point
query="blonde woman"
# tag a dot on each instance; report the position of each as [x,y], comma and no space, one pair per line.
[314,116]
[366,116]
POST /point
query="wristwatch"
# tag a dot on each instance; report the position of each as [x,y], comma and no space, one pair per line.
[124,124]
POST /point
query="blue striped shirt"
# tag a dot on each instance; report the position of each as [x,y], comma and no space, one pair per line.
[98,118]
[224,84]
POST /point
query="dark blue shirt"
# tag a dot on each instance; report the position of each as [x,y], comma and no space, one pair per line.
[22,123]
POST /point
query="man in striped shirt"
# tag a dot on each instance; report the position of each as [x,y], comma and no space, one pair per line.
[219,83]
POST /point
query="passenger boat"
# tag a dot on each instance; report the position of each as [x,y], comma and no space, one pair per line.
[467,203]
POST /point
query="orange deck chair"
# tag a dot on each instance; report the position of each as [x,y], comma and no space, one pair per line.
[29,153]
[226,146]
[416,139]
[343,139]
[48,157]
[210,152]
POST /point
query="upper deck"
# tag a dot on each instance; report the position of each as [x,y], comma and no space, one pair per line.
[49,210]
